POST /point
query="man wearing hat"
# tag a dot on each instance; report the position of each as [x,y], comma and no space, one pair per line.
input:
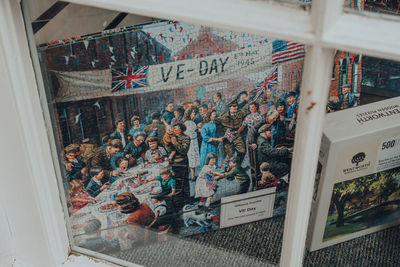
[291,98]
[277,157]
[156,127]
[231,122]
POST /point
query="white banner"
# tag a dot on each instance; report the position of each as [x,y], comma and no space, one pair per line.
[208,69]
[78,85]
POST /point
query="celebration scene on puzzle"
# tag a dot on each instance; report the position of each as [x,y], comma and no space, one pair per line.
[156,124]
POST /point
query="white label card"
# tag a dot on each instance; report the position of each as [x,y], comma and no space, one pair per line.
[247,208]
[388,154]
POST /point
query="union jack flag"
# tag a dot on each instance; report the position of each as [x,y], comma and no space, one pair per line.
[271,79]
[229,135]
[226,163]
[284,51]
[128,78]
[210,182]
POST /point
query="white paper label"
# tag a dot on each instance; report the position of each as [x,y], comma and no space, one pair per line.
[388,154]
[248,207]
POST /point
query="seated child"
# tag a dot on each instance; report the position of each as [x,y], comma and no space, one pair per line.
[160,206]
[78,197]
[156,157]
[122,165]
[168,183]
[96,184]
[206,182]
[94,241]
[237,172]
[267,176]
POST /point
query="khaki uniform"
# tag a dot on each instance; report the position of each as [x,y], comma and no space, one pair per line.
[233,123]
[180,166]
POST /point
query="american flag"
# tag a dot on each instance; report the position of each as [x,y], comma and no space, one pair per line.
[284,51]
[272,78]
[128,78]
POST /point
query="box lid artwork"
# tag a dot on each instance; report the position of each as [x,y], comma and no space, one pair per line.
[358,181]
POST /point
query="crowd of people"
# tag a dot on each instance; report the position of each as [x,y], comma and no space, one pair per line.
[202,141]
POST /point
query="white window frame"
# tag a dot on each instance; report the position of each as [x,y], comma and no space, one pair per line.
[324,29]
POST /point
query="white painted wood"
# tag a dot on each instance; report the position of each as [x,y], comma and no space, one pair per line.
[31,186]
[257,17]
[368,35]
[314,94]
[325,15]
[29,191]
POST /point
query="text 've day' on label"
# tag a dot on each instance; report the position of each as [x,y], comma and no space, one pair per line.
[256,206]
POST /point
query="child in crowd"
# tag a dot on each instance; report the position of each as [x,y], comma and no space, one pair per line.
[122,164]
[237,172]
[77,196]
[168,183]
[160,206]
[267,177]
[206,183]
[96,184]
[156,157]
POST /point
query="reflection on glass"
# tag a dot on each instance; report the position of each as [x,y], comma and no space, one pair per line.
[390,7]
[171,128]
[359,203]
[346,82]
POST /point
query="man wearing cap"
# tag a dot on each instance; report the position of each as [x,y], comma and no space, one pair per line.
[347,99]
[156,128]
[232,120]
[277,157]
[291,113]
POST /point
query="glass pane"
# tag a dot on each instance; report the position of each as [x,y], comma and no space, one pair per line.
[172,137]
[389,7]
[359,199]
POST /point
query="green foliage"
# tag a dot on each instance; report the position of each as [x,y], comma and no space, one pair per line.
[332,232]
[394,196]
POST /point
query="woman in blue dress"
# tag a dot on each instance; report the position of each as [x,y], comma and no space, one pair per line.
[209,143]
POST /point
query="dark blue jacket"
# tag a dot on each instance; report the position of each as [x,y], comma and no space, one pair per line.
[75,173]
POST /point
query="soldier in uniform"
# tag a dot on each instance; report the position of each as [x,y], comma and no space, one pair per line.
[178,148]
[232,120]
